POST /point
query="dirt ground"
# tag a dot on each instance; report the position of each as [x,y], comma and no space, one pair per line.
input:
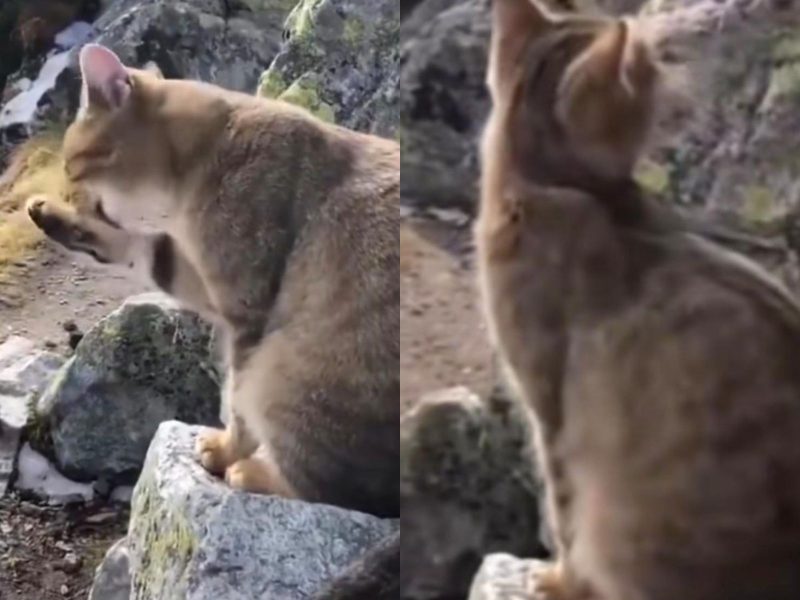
[53,288]
[442,338]
[49,553]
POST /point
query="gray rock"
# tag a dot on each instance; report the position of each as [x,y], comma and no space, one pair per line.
[199,39]
[341,61]
[505,577]
[145,363]
[218,41]
[468,488]
[192,537]
[112,579]
[24,372]
[444,102]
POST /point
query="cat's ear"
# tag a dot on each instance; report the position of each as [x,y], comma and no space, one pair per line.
[514,24]
[607,98]
[621,57]
[106,82]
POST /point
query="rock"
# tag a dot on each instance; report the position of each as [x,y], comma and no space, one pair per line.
[375,575]
[24,371]
[112,579]
[218,41]
[145,363]
[37,476]
[192,537]
[195,39]
[444,102]
[341,61]
[468,488]
[505,577]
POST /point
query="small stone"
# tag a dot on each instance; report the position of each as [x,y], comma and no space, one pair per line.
[50,344]
[69,326]
[71,563]
[64,589]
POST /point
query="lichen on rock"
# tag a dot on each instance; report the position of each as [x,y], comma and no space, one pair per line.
[340,59]
[146,362]
[193,537]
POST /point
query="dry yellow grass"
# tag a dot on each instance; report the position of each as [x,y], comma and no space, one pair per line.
[36,168]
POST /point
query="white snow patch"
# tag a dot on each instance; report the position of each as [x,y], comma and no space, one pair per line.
[21,109]
[36,475]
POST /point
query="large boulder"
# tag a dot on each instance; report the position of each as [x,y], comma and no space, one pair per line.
[341,61]
[147,362]
[224,42]
[193,537]
[24,372]
[468,488]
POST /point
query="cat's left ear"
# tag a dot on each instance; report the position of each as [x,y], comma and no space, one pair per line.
[106,82]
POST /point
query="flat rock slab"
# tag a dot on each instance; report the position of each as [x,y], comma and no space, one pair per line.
[192,537]
[506,577]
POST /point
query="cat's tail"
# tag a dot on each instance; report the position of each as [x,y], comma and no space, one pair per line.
[374,576]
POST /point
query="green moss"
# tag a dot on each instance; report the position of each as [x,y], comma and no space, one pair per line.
[353,30]
[37,428]
[271,84]
[785,77]
[164,545]
[652,176]
[758,204]
[303,92]
[300,21]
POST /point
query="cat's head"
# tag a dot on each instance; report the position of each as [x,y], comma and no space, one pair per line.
[116,135]
[574,97]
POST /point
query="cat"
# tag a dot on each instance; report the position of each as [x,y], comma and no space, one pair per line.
[280,229]
[661,369]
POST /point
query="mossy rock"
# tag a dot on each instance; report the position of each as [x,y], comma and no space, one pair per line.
[341,61]
[194,538]
[147,362]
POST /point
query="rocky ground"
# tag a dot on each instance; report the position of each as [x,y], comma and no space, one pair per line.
[53,289]
[49,553]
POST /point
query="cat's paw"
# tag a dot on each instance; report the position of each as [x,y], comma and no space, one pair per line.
[551,583]
[211,448]
[47,216]
[249,475]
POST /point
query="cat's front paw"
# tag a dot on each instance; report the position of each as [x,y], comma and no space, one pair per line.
[47,217]
[212,451]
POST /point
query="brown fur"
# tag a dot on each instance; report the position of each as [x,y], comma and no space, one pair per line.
[662,370]
[282,229]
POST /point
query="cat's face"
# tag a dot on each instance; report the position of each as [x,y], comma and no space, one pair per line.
[576,95]
[117,139]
